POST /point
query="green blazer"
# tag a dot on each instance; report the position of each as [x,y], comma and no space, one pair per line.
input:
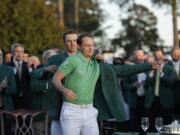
[176,86]
[10,90]
[46,98]
[130,91]
[57,59]
[165,88]
[106,98]
[43,93]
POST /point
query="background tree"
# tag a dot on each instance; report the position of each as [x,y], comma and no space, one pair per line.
[160,3]
[60,7]
[173,4]
[83,15]
[89,15]
[29,22]
[36,23]
[139,31]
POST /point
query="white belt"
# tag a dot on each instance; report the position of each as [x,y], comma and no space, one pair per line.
[77,105]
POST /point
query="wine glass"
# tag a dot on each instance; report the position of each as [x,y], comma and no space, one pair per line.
[159,124]
[145,124]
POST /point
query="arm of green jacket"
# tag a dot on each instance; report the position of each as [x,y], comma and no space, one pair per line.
[150,80]
[52,61]
[57,59]
[109,88]
[125,70]
[128,84]
[37,85]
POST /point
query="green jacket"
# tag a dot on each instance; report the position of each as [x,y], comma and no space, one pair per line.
[176,86]
[10,90]
[130,90]
[57,59]
[106,98]
[165,88]
[42,92]
[43,97]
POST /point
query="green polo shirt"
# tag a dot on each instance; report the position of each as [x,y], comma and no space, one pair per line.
[80,77]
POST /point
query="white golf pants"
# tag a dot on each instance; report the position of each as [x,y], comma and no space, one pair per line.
[79,119]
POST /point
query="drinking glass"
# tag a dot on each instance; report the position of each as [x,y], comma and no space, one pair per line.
[159,124]
[145,124]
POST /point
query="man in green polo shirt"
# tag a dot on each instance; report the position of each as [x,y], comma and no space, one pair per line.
[81,74]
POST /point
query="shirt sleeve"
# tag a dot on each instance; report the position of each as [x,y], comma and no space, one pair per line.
[68,65]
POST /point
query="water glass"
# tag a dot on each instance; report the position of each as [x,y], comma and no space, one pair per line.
[145,123]
[159,124]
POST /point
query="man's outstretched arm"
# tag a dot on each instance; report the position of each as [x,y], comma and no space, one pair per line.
[125,70]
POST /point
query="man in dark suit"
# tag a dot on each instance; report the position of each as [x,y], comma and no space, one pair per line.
[175,63]
[159,95]
[22,76]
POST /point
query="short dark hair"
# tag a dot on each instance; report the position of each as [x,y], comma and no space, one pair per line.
[159,49]
[69,32]
[5,53]
[81,36]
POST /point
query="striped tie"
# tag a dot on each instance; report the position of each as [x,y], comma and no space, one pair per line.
[19,69]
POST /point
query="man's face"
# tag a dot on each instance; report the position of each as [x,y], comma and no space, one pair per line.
[18,53]
[150,59]
[70,43]
[176,55]
[7,57]
[33,60]
[87,47]
[159,56]
[25,57]
[140,56]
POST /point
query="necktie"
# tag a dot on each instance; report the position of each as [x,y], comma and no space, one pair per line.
[177,68]
[19,69]
[157,83]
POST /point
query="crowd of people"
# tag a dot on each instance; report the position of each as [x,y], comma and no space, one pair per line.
[78,89]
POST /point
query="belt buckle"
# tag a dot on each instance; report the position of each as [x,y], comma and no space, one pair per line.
[83,106]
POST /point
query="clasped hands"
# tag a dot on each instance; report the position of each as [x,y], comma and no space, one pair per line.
[158,66]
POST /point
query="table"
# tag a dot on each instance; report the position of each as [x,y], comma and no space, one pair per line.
[24,121]
[132,133]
